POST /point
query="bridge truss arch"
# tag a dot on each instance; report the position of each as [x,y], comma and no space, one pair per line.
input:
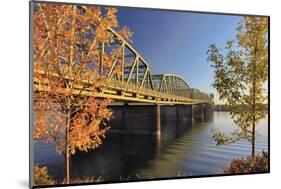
[129,69]
[171,84]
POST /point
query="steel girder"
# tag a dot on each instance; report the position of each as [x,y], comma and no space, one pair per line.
[134,68]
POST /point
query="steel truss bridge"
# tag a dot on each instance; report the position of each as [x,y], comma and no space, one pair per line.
[136,83]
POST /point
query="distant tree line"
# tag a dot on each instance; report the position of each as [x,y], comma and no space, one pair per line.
[221,108]
[225,108]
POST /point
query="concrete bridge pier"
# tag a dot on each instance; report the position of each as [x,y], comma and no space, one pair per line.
[125,118]
[158,120]
[181,113]
[192,114]
[146,119]
[203,112]
[199,113]
[185,113]
[208,112]
[136,119]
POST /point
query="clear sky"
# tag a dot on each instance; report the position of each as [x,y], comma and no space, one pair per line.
[177,42]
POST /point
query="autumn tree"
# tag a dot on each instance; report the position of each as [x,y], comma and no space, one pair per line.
[69,65]
[41,176]
[241,70]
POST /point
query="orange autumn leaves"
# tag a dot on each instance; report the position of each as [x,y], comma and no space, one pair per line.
[41,176]
[68,43]
[86,132]
[64,33]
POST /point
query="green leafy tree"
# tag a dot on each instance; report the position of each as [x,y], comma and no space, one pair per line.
[241,70]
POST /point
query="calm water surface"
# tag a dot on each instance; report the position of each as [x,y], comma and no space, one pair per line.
[182,150]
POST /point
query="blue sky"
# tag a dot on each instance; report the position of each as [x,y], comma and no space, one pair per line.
[176,42]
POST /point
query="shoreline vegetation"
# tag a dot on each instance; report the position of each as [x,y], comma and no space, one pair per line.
[43,178]
[258,164]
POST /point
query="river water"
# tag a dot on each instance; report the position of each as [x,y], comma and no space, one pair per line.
[182,150]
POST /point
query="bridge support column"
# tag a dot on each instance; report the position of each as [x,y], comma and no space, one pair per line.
[125,118]
[202,112]
[192,114]
[209,112]
[185,114]
[182,113]
[158,120]
[136,119]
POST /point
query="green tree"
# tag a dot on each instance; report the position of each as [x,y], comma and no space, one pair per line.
[241,70]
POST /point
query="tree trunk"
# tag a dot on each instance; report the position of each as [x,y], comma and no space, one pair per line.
[254,102]
[66,148]
[253,138]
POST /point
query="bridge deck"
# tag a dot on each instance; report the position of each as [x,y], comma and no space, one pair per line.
[122,91]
